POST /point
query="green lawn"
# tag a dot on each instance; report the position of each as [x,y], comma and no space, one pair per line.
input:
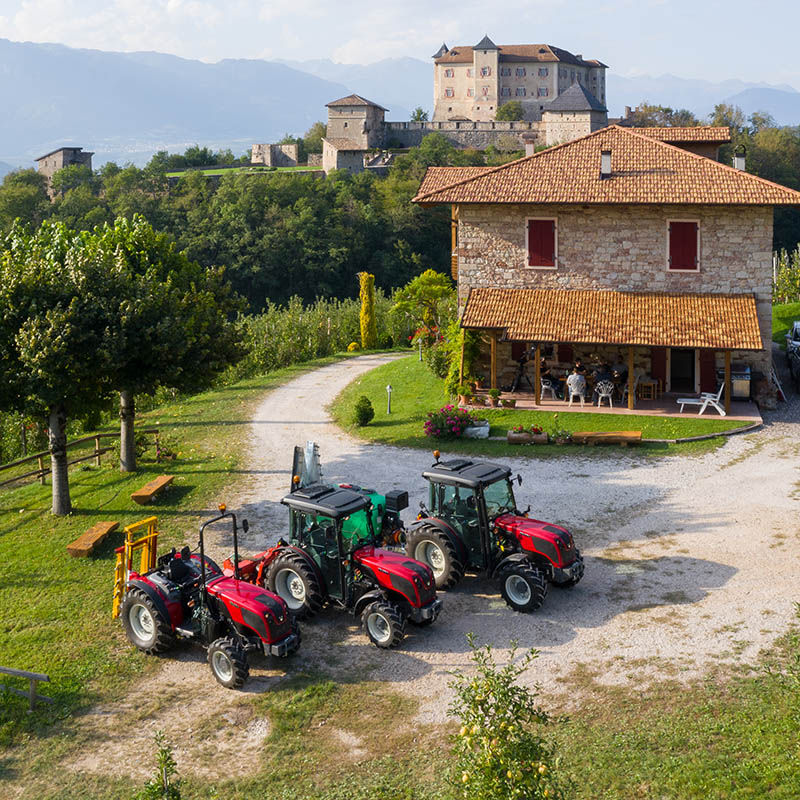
[415,391]
[782,318]
[243,169]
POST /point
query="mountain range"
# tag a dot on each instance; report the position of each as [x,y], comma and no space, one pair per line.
[125,106]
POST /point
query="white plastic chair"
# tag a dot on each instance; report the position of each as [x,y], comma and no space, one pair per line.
[705,400]
[635,387]
[547,386]
[576,387]
[605,389]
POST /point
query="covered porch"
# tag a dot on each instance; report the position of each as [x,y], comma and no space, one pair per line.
[663,346]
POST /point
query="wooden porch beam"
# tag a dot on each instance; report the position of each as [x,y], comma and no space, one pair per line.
[537,375]
[493,351]
[461,363]
[631,383]
[727,381]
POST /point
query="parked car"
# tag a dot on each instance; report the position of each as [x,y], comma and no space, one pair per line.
[793,340]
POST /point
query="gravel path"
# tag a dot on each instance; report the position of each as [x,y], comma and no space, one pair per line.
[690,561]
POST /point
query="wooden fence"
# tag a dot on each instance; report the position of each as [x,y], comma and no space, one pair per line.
[33,678]
[42,471]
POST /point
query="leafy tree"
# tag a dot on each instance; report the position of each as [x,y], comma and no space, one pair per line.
[419,114]
[510,111]
[369,328]
[647,115]
[54,334]
[71,177]
[169,319]
[23,195]
[313,137]
[428,300]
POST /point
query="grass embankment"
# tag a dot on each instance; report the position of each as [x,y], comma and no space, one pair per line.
[240,170]
[782,318]
[416,391]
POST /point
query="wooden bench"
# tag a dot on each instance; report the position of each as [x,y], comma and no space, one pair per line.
[150,490]
[86,542]
[623,438]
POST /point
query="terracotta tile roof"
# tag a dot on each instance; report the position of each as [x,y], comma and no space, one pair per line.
[703,133]
[644,171]
[518,52]
[439,177]
[576,98]
[719,321]
[344,144]
[354,100]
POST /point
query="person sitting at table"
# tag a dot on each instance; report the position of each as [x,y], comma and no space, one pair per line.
[557,381]
[576,384]
[579,367]
[620,372]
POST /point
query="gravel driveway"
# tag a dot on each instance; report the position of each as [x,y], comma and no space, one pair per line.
[690,561]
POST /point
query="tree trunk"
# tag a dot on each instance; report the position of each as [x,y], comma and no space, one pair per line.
[127,440]
[57,443]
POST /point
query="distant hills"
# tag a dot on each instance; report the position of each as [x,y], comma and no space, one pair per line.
[125,106]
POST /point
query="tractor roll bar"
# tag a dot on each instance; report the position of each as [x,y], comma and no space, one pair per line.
[225,513]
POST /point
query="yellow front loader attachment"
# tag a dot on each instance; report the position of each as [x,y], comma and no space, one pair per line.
[134,541]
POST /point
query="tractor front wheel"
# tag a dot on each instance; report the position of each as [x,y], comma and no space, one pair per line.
[523,586]
[291,577]
[435,548]
[228,663]
[145,627]
[384,624]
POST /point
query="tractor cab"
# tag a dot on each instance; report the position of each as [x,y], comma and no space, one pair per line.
[470,495]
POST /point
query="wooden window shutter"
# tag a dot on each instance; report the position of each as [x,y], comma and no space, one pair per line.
[683,245]
[541,243]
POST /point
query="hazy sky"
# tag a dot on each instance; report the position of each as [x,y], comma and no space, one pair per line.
[754,41]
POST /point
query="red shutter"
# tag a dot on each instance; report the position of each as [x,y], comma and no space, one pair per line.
[683,245]
[708,371]
[658,364]
[541,243]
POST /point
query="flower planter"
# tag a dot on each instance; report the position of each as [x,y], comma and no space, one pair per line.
[508,403]
[494,401]
[519,438]
[464,400]
[480,430]
[539,438]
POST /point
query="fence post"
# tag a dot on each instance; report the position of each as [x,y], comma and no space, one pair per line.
[97,450]
[42,478]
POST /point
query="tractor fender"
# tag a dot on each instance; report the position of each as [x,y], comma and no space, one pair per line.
[163,608]
[441,525]
[366,599]
[515,558]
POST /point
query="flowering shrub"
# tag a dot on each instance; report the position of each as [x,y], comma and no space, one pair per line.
[535,429]
[352,347]
[448,422]
[427,335]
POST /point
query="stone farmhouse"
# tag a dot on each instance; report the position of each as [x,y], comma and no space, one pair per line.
[471,83]
[626,244]
[51,162]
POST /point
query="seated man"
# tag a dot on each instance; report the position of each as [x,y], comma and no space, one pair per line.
[579,367]
[576,384]
[556,381]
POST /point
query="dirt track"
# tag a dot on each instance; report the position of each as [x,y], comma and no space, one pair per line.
[690,562]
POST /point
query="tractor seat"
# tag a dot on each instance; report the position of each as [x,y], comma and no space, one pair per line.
[178,570]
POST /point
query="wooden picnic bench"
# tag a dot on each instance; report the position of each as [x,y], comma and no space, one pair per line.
[623,438]
[150,490]
[86,542]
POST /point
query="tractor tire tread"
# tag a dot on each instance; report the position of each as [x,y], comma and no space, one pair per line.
[238,657]
[165,636]
[314,595]
[456,569]
[536,581]
[396,619]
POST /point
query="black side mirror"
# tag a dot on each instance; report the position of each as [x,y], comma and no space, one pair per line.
[245,526]
[519,479]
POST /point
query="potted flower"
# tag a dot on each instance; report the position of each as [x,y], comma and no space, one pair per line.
[494,397]
[538,435]
[509,402]
[519,434]
[464,394]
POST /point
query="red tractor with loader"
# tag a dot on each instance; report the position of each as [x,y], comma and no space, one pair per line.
[185,595]
[334,556]
[472,524]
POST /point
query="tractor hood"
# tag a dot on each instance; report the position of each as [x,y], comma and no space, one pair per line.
[533,535]
[398,573]
[248,599]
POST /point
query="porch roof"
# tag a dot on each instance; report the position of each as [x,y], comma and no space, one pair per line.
[715,321]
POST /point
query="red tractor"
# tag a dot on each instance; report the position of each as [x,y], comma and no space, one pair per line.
[473,524]
[185,595]
[334,556]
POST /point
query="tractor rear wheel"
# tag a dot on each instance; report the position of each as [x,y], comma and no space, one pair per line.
[292,578]
[384,624]
[228,662]
[435,548]
[523,586]
[144,625]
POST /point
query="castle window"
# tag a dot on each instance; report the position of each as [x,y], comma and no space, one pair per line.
[543,72]
[572,76]
[520,72]
[448,73]
[449,93]
[485,91]
[505,72]
[542,91]
[520,91]
[469,72]
[506,91]
[486,71]
[470,92]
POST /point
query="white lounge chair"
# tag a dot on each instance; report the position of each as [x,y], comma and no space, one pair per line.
[705,400]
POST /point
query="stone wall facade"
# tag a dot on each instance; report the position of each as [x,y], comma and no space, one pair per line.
[623,248]
[477,135]
[274,155]
[564,126]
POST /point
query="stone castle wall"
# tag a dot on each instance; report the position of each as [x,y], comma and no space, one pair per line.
[274,155]
[477,135]
[623,248]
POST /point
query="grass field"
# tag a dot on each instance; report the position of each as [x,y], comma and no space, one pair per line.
[243,169]
[782,318]
[416,391]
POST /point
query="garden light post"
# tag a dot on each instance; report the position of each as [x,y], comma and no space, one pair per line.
[388,398]
[419,342]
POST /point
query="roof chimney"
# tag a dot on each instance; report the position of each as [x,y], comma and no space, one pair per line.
[605,164]
[739,157]
[529,140]
[579,56]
